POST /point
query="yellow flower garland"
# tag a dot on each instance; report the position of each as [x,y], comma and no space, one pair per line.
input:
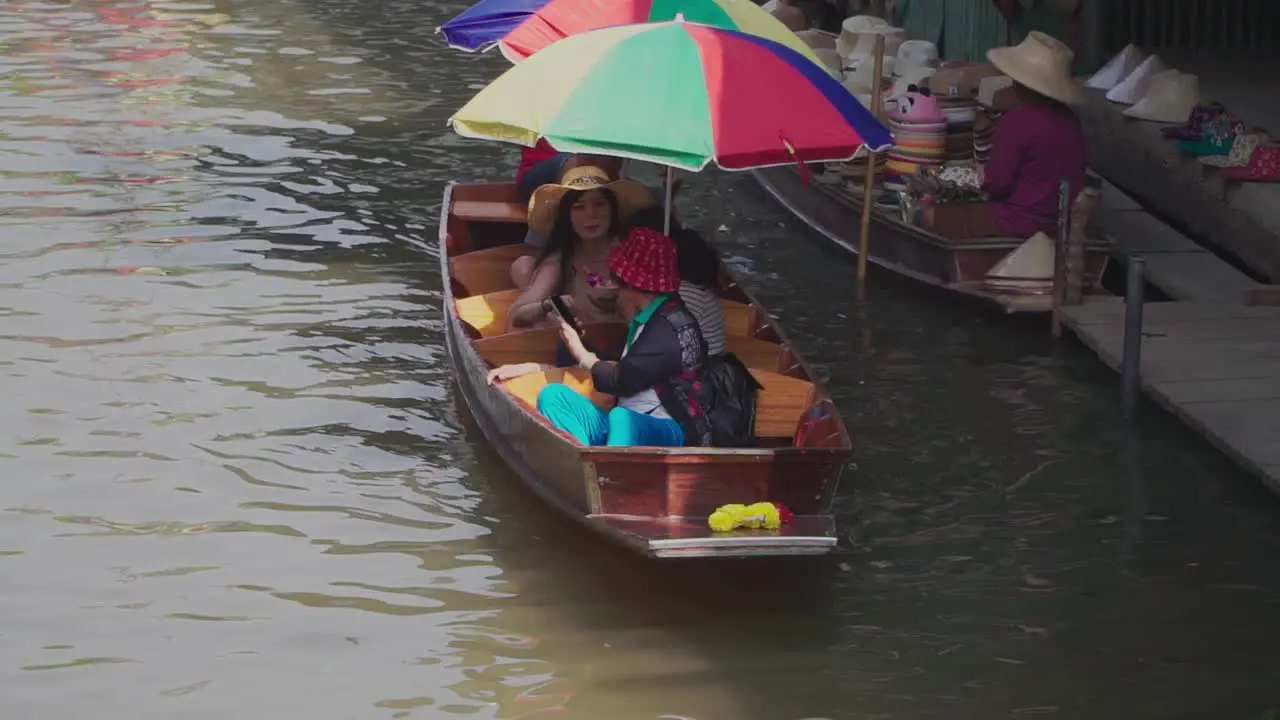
[727,518]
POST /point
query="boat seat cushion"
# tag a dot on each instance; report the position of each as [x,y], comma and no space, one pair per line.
[490,211]
[486,271]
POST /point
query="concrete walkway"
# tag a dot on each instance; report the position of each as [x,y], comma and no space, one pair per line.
[1215,365]
[1241,218]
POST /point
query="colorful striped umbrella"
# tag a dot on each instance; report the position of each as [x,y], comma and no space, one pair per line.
[678,94]
[522,27]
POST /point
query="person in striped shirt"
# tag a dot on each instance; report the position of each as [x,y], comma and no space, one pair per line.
[699,267]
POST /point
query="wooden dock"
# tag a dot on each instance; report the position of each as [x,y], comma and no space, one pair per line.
[1215,365]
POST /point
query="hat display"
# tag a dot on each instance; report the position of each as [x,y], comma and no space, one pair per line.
[1264,166]
[1041,63]
[914,55]
[1029,267]
[916,77]
[984,133]
[1134,86]
[544,204]
[1170,97]
[1201,115]
[854,26]
[817,40]
[646,260]
[919,130]
[1219,135]
[1241,150]
[830,58]
[1117,68]
[989,89]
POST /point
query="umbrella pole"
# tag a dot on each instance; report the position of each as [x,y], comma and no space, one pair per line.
[670,191]
[868,184]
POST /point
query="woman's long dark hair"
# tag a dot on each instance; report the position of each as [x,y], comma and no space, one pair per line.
[562,238]
[696,260]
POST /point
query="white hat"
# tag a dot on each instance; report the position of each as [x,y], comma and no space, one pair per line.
[1028,267]
[863,43]
[989,86]
[1040,62]
[1117,68]
[830,58]
[1134,86]
[915,54]
[1170,97]
[817,39]
[850,28]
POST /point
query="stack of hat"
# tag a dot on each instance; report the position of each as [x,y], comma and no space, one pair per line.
[995,96]
[919,133]
[955,86]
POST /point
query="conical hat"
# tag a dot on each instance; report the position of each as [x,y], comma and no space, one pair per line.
[1132,88]
[1040,62]
[1117,68]
[1170,97]
[1030,264]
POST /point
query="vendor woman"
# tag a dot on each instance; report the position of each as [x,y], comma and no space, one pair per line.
[1036,144]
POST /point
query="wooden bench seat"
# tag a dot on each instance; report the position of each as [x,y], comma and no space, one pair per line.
[485,271]
[527,387]
[781,404]
[487,313]
[755,354]
[490,211]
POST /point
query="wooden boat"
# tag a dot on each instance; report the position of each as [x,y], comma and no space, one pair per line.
[957,266]
[652,500]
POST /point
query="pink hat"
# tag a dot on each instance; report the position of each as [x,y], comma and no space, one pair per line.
[914,107]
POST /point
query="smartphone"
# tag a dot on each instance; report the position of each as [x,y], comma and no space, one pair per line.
[562,308]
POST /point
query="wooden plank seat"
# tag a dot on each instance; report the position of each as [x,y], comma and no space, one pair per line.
[491,211]
[539,344]
[487,313]
[755,354]
[781,404]
[527,387]
[485,271]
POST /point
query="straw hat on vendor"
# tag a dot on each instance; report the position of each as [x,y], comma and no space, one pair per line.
[1042,64]
[544,204]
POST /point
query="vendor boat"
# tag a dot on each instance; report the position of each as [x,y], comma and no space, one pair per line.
[654,501]
[985,270]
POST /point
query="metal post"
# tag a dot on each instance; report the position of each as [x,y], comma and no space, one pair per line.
[1133,299]
[1060,257]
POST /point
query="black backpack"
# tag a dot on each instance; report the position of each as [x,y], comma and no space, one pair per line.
[729,401]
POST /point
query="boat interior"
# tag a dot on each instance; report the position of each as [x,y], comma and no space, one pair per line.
[485,232]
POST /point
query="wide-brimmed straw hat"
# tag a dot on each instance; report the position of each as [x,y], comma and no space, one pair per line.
[545,201]
[1041,63]
[646,260]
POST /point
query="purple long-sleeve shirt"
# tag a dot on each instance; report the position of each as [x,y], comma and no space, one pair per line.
[1034,147]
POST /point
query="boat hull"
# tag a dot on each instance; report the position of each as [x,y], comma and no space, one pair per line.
[653,501]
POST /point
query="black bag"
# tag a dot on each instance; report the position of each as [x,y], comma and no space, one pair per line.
[730,401]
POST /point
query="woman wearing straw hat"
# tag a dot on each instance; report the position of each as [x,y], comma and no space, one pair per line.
[1036,144]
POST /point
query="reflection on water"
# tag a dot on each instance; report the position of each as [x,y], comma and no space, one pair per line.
[237,483]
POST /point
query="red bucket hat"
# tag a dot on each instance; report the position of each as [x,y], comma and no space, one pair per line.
[646,260]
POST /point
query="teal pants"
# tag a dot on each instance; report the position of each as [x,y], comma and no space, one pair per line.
[620,427]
